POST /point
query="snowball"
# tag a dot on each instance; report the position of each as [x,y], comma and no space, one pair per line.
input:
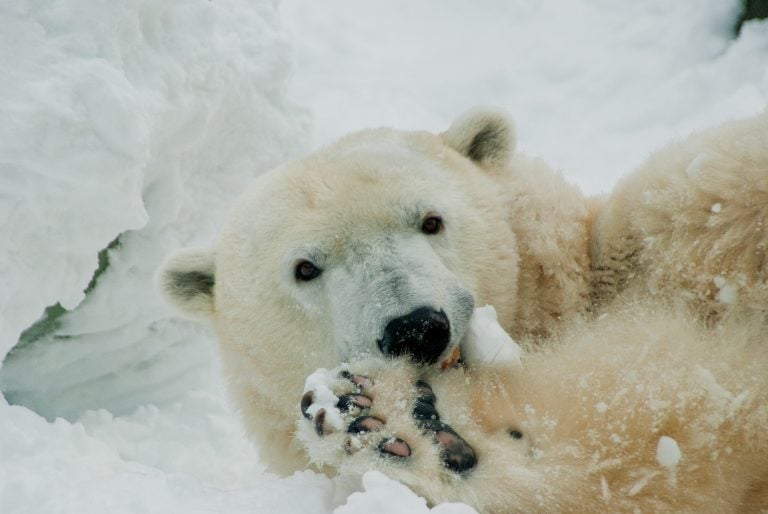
[486,341]
[668,453]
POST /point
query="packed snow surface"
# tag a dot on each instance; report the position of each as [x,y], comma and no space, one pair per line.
[132,123]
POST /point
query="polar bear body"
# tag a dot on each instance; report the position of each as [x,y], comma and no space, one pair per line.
[321,255]
[641,410]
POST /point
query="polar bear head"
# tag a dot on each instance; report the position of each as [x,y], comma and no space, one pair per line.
[381,243]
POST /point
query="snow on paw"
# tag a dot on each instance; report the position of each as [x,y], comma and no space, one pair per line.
[355,420]
[320,404]
[338,406]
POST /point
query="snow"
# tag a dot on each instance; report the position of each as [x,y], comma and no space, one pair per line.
[727,292]
[319,383]
[383,495]
[592,96]
[136,121]
[668,453]
[487,342]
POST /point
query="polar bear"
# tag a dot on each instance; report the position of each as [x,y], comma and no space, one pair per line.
[375,251]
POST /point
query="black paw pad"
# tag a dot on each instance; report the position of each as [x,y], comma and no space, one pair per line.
[349,401]
[359,380]
[424,411]
[425,393]
[365,424]
[395,447]
[455,453]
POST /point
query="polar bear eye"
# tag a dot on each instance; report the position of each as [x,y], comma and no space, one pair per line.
[306,271]
[432,224]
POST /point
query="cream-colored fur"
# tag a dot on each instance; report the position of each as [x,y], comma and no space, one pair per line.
[592,410]
[691,222]
[686,228]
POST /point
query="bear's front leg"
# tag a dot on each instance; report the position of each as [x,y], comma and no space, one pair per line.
[449,436]
[377,414]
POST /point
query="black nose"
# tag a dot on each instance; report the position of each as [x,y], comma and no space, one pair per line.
[423,334]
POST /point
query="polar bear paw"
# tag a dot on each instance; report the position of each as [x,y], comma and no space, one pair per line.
[343,406]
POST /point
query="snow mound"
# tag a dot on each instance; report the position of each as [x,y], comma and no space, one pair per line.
[135,122]
[189,457]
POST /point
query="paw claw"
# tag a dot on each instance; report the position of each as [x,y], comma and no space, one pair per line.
[349,401]
[365,424]
[395,447]
[306,402]
[359,380]
[319,421]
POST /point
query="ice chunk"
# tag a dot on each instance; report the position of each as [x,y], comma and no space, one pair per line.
[487,342]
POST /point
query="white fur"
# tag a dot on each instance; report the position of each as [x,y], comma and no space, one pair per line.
[553,264]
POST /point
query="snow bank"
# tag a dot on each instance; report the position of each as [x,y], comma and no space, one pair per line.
[190,457]
[139,119]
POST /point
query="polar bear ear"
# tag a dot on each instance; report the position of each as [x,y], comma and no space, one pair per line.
[485,136]
[186,281]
